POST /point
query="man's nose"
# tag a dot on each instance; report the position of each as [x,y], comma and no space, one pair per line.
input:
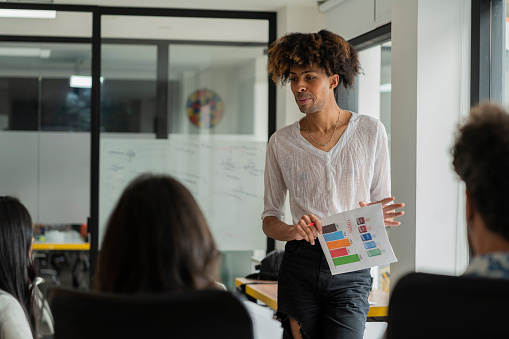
[301,86]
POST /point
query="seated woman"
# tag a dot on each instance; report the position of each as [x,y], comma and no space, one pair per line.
[157,240]
[17,272]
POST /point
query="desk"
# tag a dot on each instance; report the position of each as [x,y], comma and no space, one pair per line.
[43,246]
[75,252]
[266,292]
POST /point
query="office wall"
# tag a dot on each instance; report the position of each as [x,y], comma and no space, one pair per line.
[430,94]
[352,18]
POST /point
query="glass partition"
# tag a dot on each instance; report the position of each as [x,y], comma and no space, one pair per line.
[171,87]
[193,106]
[48,168]
[45,136]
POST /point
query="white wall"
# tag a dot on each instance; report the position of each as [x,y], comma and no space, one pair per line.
[430,93]
[352,18]
[369,81]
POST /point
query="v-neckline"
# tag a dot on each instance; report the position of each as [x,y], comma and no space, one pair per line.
[336,148]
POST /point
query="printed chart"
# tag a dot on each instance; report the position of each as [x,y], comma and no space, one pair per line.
[356,239]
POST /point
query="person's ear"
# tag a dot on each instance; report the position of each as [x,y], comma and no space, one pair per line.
[334,81]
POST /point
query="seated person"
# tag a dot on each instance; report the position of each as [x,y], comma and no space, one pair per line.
[157,240]
[481,159]
[17,272]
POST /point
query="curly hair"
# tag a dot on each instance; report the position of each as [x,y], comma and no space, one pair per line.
[481,159]
[326,49]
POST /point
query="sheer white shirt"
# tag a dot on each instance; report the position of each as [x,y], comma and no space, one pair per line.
[356,169]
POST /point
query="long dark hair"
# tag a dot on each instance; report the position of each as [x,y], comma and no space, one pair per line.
[157,240]
[17,271]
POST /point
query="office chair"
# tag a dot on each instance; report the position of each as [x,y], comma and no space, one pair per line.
[438,306]
[187,314]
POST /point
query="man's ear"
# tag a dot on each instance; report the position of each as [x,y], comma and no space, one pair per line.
[334,81]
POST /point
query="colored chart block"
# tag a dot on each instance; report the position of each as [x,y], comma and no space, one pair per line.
[374,252]
[338,252]
[360,221]
[366,237]
[369,244]
[346,259]
[362,229]
[334,236]
[338,243]
[329,228]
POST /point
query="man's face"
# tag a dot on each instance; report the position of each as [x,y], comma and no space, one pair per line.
[312,88]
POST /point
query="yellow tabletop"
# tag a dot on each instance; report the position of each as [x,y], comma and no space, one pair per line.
[266,292]
[41,246]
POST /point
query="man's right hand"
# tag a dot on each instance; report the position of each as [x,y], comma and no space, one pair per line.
[307,228]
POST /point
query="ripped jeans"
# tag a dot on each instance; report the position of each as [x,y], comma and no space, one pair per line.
[325,305]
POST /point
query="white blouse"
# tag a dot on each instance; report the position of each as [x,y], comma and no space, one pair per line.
[13,321]
[356,169]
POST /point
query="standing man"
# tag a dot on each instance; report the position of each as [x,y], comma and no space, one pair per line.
[330,161]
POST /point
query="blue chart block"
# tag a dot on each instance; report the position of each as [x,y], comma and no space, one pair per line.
[333,236]
[366,237]
[369,244]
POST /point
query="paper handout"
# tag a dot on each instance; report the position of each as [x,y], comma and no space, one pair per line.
[355,240]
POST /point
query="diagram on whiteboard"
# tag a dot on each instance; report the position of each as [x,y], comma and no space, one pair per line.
[355,240]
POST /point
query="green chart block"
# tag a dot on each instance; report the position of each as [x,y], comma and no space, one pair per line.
[347,259]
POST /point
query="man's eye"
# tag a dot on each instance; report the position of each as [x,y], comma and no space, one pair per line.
[293,79]
[311,78]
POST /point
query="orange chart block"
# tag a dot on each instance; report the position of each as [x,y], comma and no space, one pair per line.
[338,243]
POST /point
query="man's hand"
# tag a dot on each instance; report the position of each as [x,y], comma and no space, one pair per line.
[388,209]
[304,229]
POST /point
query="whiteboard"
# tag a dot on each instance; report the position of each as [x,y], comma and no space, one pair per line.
[224,174]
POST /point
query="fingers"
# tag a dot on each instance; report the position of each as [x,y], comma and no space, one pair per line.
[390,214]
[393,215]
[388,210]
[391,223]
[384,201]
[307,232]
[392,207]
[317,223]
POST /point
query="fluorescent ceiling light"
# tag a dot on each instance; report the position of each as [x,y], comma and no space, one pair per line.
[25,52]
[386,88]
[82,81]
[27,13]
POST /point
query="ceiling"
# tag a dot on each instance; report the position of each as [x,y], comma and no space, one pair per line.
[242,5]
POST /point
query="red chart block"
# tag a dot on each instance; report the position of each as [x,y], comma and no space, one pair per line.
[338,252]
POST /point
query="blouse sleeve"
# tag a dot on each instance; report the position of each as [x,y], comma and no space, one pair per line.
[275,186]
[13,321]
[381,181]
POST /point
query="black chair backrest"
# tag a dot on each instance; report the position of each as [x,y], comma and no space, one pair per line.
[437,306]
[188,314]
